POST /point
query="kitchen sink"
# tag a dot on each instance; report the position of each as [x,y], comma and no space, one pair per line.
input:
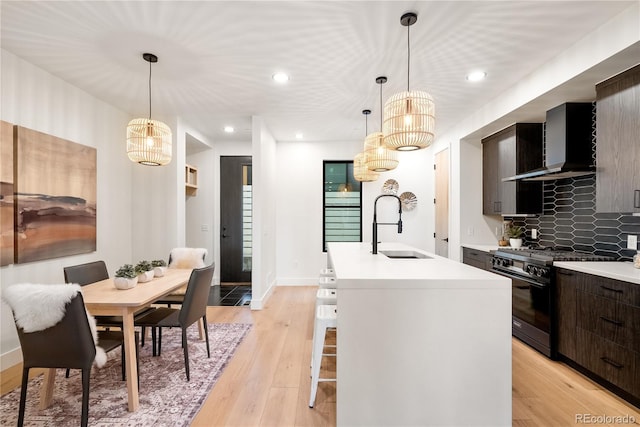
[405,255]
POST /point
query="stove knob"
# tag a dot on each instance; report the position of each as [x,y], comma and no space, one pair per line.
[544,272]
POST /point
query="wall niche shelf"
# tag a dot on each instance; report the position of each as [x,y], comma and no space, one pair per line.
[191,179]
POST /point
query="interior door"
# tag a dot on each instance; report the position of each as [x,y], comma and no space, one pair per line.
[442,203]
[236,219]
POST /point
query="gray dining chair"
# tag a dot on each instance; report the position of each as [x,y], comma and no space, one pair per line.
[67,344]
[193,308]
[91,272]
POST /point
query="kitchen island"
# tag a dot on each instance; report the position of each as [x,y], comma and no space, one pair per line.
[421,341]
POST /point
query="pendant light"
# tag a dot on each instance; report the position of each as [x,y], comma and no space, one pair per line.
[360,170]
[377,156]
[149,141]
[409,117]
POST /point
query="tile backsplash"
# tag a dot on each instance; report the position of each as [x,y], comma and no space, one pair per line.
[570,220]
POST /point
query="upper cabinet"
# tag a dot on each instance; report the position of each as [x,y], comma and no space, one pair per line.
[618,143]
[511,151]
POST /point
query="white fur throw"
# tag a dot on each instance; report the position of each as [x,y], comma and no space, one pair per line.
[37,307]
[188,257]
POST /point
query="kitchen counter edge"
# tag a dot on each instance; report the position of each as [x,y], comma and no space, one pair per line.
[616,270]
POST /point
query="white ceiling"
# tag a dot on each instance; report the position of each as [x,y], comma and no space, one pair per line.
[216,58]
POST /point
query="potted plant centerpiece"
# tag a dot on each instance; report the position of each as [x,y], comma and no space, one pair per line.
[145,271]
[159,267]
[515,234]
[126,277]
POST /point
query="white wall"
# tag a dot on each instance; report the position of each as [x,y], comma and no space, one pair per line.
[199,207]
[299,204]
[38,100]
[265,188]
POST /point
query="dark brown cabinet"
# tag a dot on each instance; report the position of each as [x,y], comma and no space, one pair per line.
[476,258]
[511,151]
[566,303]
[618,143]
[599,327]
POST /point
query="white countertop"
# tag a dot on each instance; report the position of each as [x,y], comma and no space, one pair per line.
[483,248]
[356,267]
[614,270]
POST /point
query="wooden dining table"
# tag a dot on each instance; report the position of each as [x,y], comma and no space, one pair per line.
[103,298]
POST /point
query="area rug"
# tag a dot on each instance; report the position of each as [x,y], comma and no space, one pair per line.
[166,397]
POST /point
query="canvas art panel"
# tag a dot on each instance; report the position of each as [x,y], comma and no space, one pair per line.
[55,197]
[6,193]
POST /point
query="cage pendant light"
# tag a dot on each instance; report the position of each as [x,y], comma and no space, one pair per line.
[409,116]
[149,141]
[360,170]
[377,156]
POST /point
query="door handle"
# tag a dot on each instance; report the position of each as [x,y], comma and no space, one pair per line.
[446,239]
[224,234]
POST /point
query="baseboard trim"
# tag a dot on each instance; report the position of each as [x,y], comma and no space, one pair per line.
[298,281]
[10,358]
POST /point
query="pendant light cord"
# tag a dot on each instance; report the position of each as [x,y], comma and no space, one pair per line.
[149,90]
[381,83]
[366,122]
[408,55]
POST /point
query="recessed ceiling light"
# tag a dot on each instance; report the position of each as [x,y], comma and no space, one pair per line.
[229,129]
[280,77]
[299,135]
[476,76]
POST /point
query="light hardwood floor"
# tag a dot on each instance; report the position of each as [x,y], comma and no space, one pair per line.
[267,381]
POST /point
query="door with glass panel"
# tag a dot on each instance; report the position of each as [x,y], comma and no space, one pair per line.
[236,219]
[342,203]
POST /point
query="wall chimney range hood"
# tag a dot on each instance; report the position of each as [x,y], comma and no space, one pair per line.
[568,148]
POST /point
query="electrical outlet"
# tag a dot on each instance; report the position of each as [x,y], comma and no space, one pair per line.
[632,242]
[534,233]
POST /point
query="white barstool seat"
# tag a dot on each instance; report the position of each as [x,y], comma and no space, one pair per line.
[326,317]
[327,282]
[326,296]
[327,272]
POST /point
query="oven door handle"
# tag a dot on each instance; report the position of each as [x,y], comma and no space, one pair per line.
[524,279]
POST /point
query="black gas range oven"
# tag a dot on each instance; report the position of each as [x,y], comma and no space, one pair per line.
[532,292]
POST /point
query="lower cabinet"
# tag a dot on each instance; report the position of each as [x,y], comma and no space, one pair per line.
[598,328]
[614,363]
[476,258]
[566,292]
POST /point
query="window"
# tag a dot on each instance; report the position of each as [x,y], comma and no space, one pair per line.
[342,204]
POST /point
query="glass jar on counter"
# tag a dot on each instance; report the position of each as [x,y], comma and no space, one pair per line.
[636,260]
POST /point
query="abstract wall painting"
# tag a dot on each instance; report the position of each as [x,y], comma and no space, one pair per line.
[55,191]
[6,194]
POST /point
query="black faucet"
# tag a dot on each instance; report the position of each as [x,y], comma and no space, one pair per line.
[374,242]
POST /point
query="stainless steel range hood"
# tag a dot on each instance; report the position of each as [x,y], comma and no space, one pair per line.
[568,149]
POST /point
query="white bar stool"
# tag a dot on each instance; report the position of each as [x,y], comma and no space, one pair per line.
[326,317]
[327,272]
[325,297]
[327,282]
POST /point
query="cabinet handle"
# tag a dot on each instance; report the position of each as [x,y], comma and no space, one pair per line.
[565,273]
[615,322]
[636,199]
[606,288]
[472,253]
[611,362]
